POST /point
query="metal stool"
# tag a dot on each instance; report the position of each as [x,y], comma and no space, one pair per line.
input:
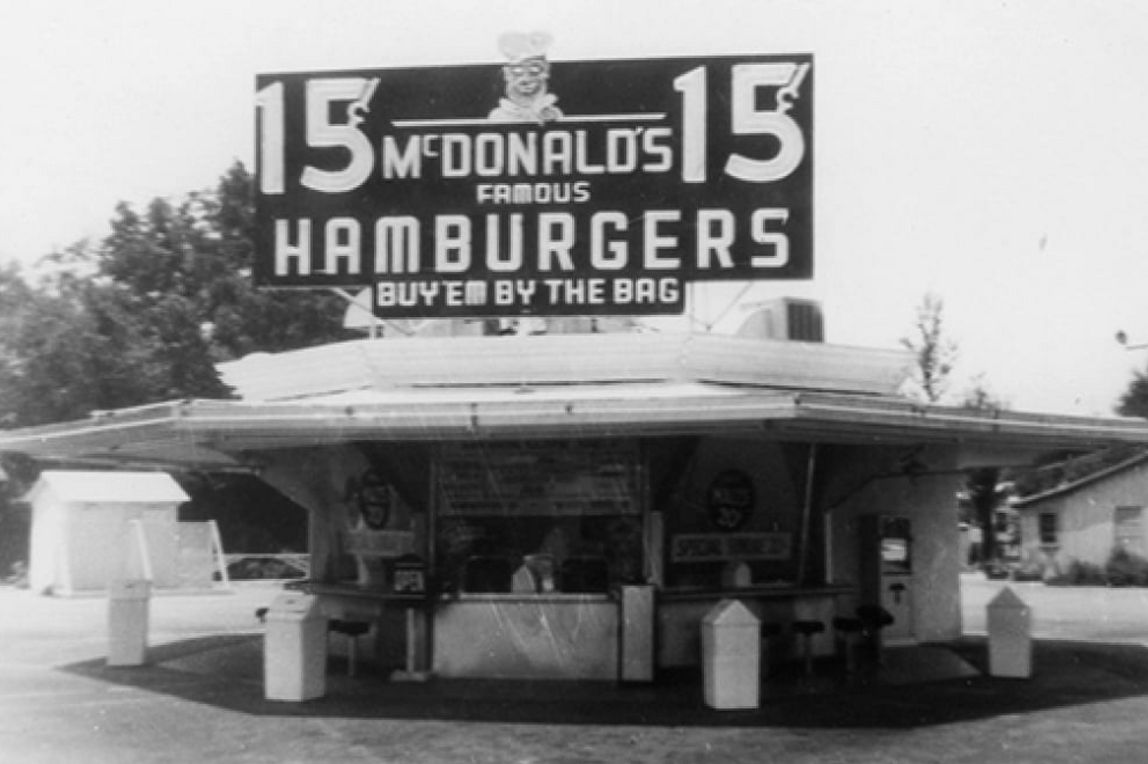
[806,630]
[847,630]
[352,630]
[873,619]
[769,633]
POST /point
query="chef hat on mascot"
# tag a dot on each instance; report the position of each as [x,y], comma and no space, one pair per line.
[520,46]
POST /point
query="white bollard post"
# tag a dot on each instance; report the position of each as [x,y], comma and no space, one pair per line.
[731,656]
[1010,636]
[128,622]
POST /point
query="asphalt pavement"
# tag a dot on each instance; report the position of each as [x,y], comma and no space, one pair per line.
[200,698]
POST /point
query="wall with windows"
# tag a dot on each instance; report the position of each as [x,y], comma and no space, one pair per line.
[1087,523]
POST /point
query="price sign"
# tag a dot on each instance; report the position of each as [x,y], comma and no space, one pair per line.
[531,187]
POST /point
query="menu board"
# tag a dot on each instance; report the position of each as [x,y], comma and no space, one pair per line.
[578,477]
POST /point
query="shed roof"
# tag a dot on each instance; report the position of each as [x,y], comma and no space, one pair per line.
[109,487]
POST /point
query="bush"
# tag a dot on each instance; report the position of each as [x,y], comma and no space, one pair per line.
[1080,573]
[1126,569]
[1028,572]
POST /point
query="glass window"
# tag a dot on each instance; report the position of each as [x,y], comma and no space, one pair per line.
[1128,529]
[539,517]
[1049,527]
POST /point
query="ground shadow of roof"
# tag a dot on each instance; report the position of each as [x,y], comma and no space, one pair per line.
[226,672]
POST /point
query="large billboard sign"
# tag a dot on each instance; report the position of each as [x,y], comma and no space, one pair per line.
[536,187]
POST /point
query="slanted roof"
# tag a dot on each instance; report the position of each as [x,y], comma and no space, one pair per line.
[109,487]
[1099,476]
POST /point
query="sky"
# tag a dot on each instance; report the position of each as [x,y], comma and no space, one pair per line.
[994,153]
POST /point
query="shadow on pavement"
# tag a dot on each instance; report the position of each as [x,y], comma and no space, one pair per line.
[226,672]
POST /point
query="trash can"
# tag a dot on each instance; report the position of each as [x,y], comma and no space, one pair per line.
[128,622]
[295,649]
[731,656]
[1010,636]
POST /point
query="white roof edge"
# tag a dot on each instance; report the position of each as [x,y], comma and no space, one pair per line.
[192,431]
[565,359]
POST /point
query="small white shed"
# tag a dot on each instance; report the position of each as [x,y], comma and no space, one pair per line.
[88,527]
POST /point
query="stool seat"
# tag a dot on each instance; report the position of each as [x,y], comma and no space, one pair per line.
[352,630]
[873,619]
[806,629]
[848,629]
[349,628]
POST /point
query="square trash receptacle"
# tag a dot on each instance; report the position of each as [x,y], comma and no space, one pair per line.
[731,656]
[295,649]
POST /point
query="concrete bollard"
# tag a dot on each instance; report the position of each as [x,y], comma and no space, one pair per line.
[1010,636]
[731,656]
[128,622]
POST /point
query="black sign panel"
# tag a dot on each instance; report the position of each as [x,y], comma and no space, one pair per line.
[595,188]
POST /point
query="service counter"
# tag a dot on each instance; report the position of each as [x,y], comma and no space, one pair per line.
[553,636]
[565,635]
[523,636]
[397,633]
[680,613]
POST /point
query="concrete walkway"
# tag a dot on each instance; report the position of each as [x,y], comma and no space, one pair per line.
[200,700]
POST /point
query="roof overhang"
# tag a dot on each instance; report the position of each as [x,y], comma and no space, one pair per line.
[211,434]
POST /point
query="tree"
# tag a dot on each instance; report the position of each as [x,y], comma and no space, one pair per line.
[143,315]
[935,353]
[982,484]
[1134,400]
[198,256]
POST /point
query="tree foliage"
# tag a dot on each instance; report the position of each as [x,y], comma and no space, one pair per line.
[982,484]
[935,352]
[143,315]
[1134,400]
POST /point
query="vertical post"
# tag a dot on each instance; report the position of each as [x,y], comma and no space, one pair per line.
[806,511]
[141,544]
[217,553]
[430,577]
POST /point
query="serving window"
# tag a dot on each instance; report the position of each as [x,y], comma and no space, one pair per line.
[538,517]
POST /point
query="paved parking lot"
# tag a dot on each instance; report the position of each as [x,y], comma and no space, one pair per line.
[200,699]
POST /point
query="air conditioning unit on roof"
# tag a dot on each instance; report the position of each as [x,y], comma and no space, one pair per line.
[785,318]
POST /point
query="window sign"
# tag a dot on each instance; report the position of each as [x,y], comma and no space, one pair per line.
[535,187]
[711,547]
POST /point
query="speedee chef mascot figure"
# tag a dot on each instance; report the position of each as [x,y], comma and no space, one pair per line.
[526,73]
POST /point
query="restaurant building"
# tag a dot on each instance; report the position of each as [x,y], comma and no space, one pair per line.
[535,484]
[572,505]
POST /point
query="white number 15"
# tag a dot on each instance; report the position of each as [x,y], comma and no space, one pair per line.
[746,119]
